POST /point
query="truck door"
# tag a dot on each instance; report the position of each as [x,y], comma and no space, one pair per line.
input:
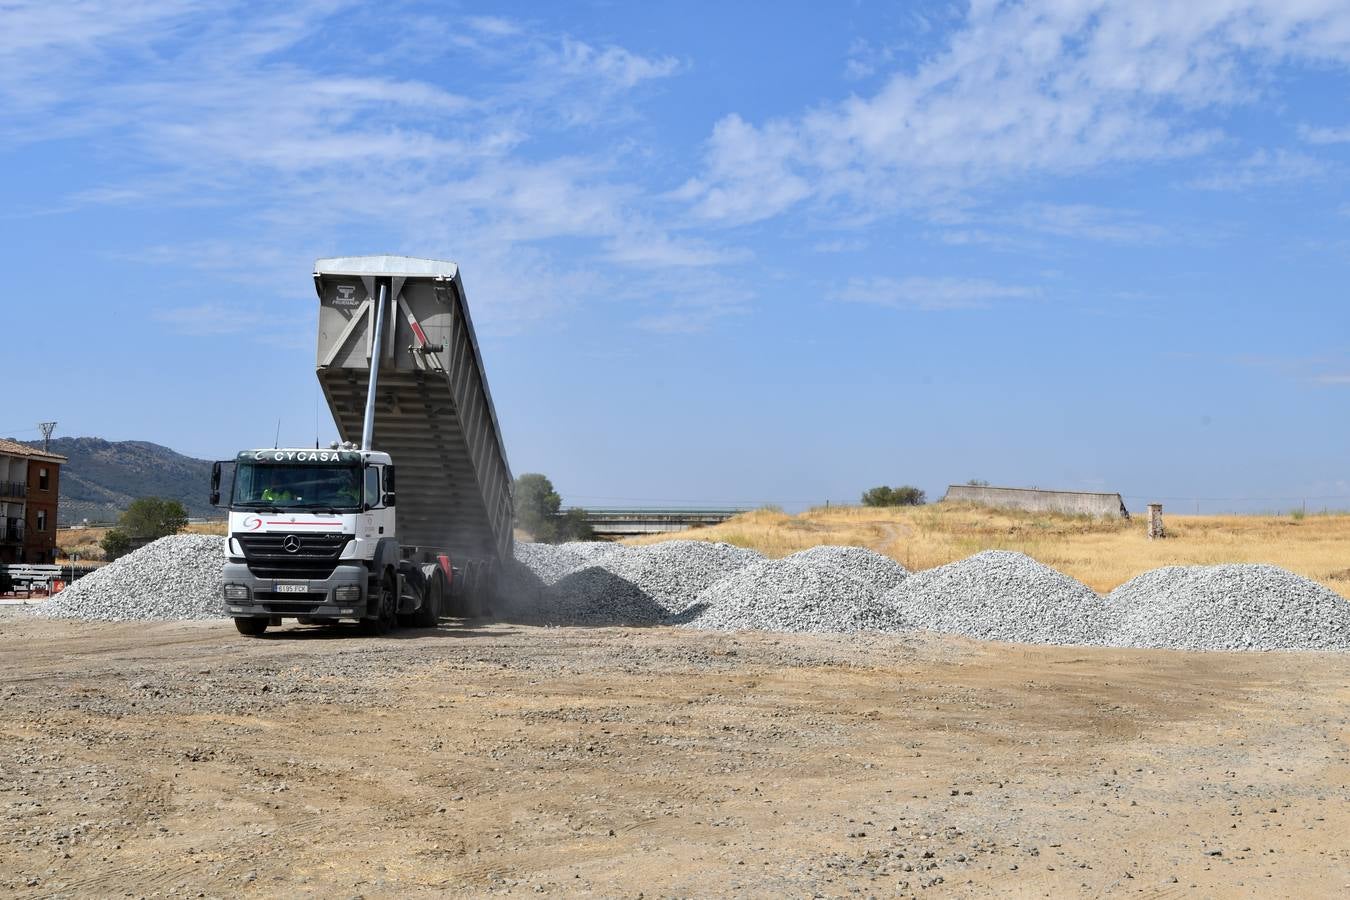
[372,517]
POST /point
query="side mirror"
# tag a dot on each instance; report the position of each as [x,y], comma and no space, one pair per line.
[389,486]
[215,484]
[388,498]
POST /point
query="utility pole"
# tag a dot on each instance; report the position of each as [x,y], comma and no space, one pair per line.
[47,428]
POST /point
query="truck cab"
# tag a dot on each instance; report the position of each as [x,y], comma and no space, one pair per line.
[311,535]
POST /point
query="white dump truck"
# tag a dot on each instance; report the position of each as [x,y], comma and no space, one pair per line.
[325,535]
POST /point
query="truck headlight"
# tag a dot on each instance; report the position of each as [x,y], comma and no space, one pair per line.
[347,593]
[236,592]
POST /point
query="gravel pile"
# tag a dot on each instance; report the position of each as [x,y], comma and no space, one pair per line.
[595,583]
[881,572]
[550,562]
[674,573]
[796,594]
[1229,607]
[995,595]
[1003,596]
[176,577]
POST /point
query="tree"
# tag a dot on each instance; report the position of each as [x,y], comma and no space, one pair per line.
[539,511]
[145,520]
[574,526]
[116,544]
[977,482]
[905,495]
[537,505]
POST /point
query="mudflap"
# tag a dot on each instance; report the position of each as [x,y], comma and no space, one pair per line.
[412,588]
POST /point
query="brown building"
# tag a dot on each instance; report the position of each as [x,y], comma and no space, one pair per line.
[30,481]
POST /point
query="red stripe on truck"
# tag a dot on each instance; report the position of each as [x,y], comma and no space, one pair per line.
[321,524]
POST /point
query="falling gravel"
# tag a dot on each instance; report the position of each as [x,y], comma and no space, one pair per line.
[1229,607]
[795,594]
[175,577]
[1003,596]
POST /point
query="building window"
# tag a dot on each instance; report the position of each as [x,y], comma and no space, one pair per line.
[43,481]
[42,520]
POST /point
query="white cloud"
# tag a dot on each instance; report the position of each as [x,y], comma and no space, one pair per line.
[1316,135]
[218,107]
[841,245]
[750,173]
[1088,222]
[616,65]
[495,26]
[1262,168]
[1332,379]
[1022,90]
[209,319]
[928,293]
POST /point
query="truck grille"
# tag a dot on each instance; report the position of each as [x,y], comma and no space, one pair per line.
[315,557]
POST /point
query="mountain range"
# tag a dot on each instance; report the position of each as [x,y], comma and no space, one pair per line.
[101,478]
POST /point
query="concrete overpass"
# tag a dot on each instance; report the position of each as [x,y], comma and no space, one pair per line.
[611,524]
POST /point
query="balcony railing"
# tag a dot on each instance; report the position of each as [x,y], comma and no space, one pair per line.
[11,532]
[13,489]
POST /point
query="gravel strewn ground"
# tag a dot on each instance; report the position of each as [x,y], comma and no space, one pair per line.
[796,594]
[1229,607]
[1003,596]
[176,577]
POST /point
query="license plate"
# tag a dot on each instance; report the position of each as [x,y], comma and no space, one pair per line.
[292,588]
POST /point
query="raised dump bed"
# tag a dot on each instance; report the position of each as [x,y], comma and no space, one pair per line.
[433,411]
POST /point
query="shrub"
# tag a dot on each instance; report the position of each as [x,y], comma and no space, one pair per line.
[905,495]
[116,543]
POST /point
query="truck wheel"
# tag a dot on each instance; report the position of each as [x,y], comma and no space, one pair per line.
[470,601]
[387,618]
[487,592]
[252,627]
[430,613]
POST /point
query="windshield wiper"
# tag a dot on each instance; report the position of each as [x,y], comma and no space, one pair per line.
[260,507]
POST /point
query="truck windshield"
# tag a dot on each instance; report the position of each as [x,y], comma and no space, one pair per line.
[296,486]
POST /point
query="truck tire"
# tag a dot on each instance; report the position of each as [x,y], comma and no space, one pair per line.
[470,597]
[386,619]
[487,591]
[430,612]
[251,627]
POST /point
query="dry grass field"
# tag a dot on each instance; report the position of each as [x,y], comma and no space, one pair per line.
[1101,553]
[85,541]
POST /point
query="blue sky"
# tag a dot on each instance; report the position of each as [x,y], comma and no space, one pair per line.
[717,253]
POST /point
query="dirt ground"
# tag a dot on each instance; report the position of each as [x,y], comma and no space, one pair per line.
[181,759]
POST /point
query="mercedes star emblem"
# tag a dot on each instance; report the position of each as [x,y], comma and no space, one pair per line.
[291,544]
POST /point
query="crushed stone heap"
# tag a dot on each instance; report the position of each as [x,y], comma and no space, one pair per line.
[1000,595]
[175,577]
[1229,607]
[795,594]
